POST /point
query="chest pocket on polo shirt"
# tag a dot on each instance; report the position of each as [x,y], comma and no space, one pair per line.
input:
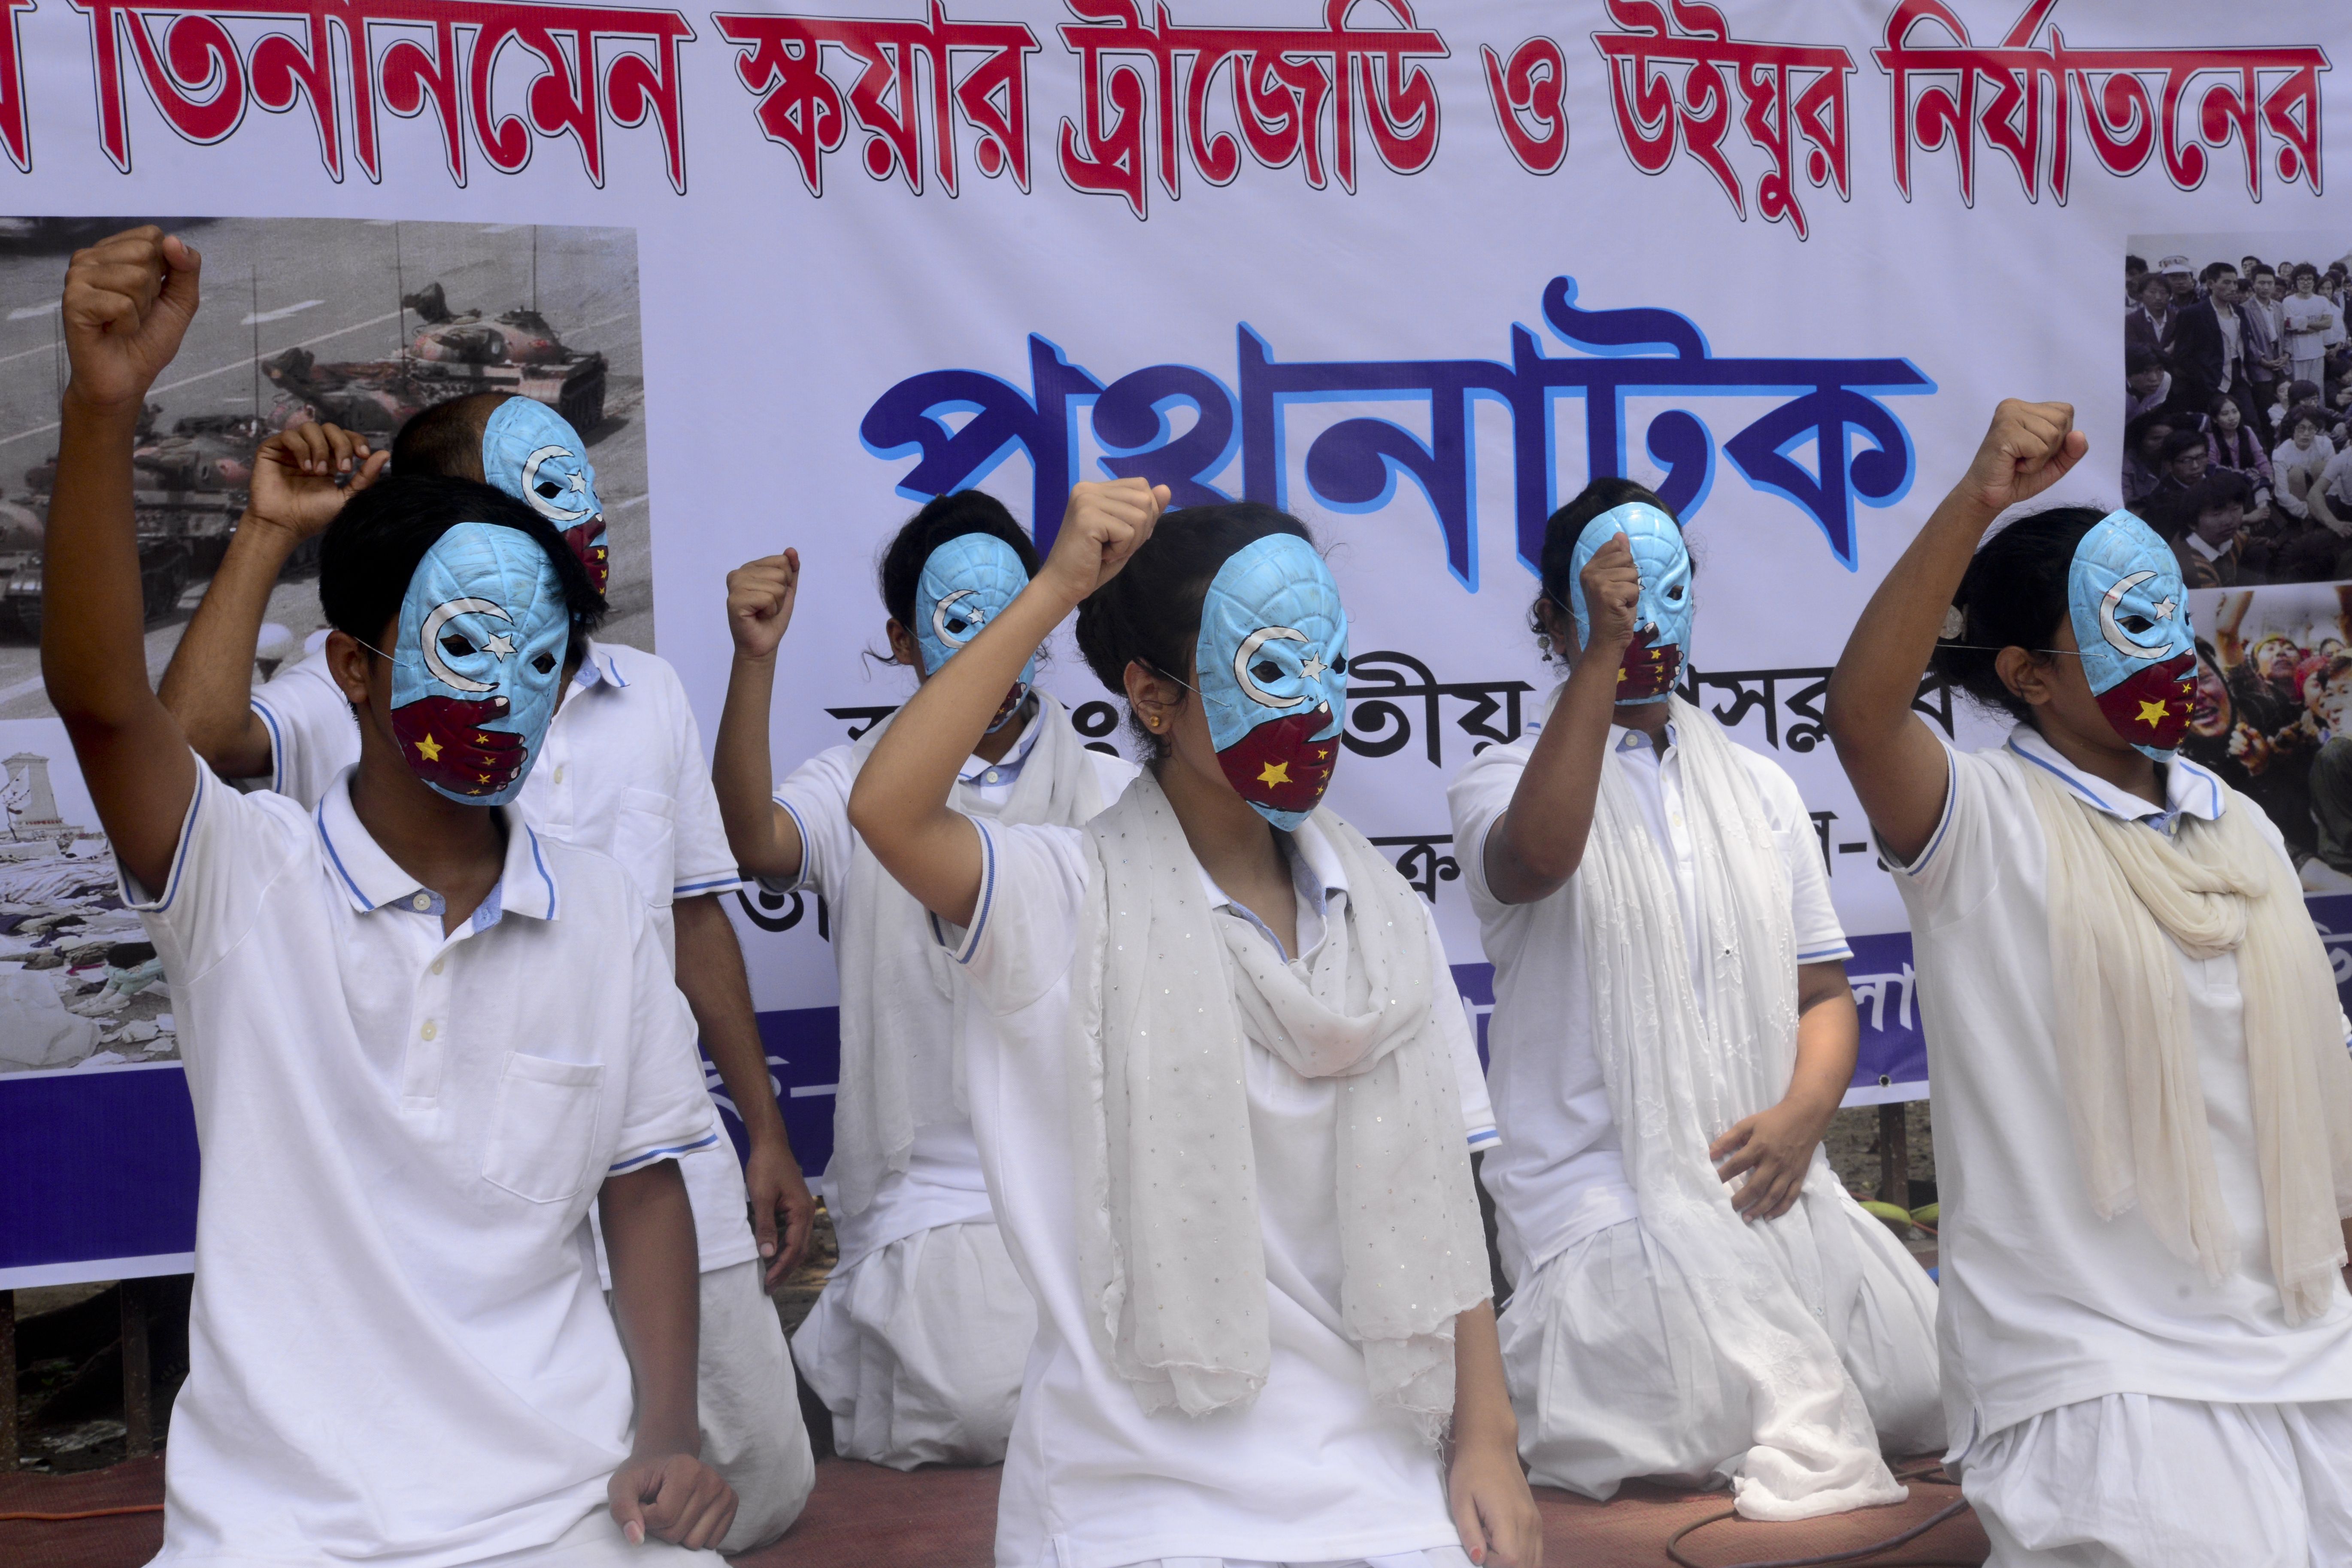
[543,1128]
[645,841]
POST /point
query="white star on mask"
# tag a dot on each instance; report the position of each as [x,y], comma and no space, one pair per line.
[2164,609]
[1314,668]
[502,645]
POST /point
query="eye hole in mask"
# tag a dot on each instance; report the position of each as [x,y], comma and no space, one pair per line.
[549,488]
[2134,624]
[1266,669]
[456,646]
[1675,593]
[543,663]
[1340,664]
[957,625]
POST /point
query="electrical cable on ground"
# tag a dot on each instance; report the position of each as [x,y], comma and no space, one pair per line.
[89,1513]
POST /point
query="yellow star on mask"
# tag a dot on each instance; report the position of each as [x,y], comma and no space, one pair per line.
[1275,773]
[2152,713]
[429,749]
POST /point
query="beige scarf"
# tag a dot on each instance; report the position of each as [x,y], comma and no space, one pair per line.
[1165,995]
[895,1074]
[2117,891]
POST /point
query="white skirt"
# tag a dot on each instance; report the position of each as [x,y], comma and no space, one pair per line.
[1603,1395]
[2133,1481]
[917,1349]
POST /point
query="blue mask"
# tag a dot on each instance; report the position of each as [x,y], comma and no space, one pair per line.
[1273,663]
[2129,609]
[532,453]
[966,584]
[477,663]
[1661,618]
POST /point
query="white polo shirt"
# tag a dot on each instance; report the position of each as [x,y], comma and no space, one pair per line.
[1315,1472]
[621,773]
[1560,1176]
[2043,1303]
[398,1352]
[941,1184]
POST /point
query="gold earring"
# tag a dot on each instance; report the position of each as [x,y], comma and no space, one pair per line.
[1153,721]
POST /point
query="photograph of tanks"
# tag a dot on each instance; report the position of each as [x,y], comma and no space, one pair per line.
[358,323]
[361,322]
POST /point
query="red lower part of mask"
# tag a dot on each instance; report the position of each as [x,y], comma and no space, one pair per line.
[2152,708]
[443,742]
[1281,765]
[588,541]
[1649,671]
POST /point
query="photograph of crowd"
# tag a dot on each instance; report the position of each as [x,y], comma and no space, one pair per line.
[2237,390]
[2273,714]
[361,323]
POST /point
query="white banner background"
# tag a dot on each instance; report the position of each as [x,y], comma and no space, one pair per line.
[774,317]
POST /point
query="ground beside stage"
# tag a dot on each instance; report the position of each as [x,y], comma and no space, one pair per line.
[945,1519]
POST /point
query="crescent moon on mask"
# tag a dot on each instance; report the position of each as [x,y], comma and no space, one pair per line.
[2116,639]
[939,619]
[540,503]
[443,613]
[1250,645]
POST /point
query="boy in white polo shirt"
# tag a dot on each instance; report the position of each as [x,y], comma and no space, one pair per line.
[420,1038]
[622,772]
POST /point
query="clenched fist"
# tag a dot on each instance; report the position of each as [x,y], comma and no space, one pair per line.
[128,301]
[760,595]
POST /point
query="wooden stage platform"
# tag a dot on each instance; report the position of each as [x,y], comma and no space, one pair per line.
[946,1519]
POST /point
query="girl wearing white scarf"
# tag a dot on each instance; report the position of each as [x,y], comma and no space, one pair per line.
[1237,1181]
[917,1343]
[2143,1099]
[1698,1298]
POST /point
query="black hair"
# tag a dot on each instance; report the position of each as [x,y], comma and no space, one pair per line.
[1553,567]
[446,439]
[1150,613]
[2182,441]
[943,518]
[2138,360]
[2264,270]
[2214,269]
[2141,287]
[2298,413]
[2137,431]
[2218,489]
[2134,264]
[2012,595]
[374,546]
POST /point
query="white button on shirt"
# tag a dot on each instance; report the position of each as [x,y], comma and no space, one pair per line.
[2043,1303]
[1559,1175]
[398,1351]
[622,772]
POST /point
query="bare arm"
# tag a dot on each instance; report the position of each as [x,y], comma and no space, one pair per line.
[1774,1148]
[1539,843]
[208,686]
[764,838]
[649,1239]
[710,973]
[1484,1486]
[127,300]
[899,803]
[1895,761]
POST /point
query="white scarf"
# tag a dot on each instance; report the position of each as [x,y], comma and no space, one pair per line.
[895,1074]
[2117,891]
[1679,1074]
[1164,994]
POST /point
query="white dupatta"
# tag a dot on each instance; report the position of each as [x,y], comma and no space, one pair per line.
[1679,1074]
[1164,996]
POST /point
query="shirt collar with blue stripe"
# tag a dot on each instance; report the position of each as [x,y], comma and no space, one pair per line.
[979,769]
[373,880]
[2190,790]
[598,668]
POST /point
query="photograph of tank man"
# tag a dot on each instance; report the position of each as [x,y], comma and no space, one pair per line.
[357,323]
